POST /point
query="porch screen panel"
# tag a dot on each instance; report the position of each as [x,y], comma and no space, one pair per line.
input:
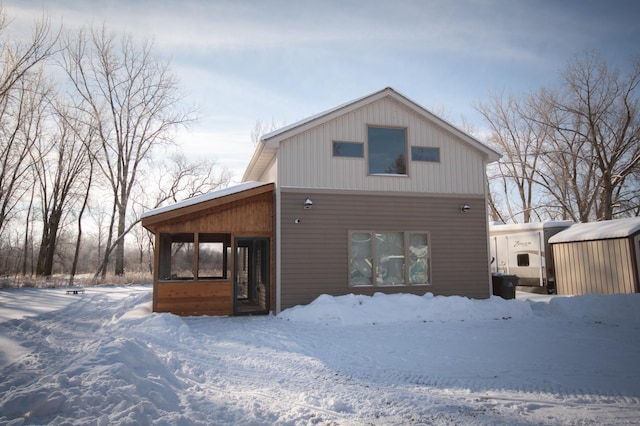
[182,256]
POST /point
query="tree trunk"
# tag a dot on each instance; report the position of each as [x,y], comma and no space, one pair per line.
[119,267]
[48,244]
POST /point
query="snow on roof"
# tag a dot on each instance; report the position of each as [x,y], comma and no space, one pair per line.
[205,197]
[609,229]
[533,226]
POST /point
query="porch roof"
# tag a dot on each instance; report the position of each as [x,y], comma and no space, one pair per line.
[204,201]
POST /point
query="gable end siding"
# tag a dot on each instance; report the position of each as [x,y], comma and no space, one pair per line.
[306,159]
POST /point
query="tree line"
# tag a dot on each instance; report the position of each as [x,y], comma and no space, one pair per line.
[570,152]
[88,121]
[87,127]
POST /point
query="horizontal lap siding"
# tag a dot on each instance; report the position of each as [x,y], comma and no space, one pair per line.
[314,252]
[194,298]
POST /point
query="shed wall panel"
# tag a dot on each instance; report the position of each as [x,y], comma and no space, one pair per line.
[314,253]
[601,266]
[460,171]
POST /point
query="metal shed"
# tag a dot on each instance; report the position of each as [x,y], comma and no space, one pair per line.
[598,257]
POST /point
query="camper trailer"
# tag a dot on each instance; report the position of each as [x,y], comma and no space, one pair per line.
[523,250]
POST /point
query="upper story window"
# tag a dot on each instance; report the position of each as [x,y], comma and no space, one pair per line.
[387,149]
[422,153]
[348,149]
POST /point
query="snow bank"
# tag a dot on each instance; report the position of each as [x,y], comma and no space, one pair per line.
[403,308]
[382,308]
[614,309]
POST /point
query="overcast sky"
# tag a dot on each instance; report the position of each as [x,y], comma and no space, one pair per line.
[245,61]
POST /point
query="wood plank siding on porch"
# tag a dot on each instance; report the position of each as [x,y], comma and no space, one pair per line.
[247,213]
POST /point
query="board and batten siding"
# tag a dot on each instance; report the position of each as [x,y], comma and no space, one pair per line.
[314,251]
[461,169]
[600,266]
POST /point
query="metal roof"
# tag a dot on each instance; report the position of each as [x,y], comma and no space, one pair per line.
[204,197]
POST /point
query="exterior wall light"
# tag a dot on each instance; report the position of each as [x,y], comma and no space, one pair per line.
[308,203]
[465,208]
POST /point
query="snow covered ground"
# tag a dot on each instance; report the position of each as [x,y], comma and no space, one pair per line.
[103,358]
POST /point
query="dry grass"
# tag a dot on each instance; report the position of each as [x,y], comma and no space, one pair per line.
[85,280]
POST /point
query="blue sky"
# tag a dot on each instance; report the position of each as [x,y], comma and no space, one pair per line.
[244,61]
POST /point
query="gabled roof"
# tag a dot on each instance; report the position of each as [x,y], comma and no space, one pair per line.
[269,143]
[604,230]
[205,201]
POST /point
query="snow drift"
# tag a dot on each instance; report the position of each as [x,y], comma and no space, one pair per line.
[104,358]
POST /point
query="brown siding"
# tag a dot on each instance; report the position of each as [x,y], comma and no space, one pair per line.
[314,252]
[194,298]
[602,266]
[248,216]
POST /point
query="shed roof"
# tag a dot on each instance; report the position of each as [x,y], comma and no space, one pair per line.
[269,143]
[605,230]
[209,196]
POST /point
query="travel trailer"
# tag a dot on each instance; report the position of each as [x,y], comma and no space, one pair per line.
[523,250]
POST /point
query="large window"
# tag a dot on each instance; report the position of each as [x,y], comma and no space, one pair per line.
[189,256]
[388,258]
[387,149]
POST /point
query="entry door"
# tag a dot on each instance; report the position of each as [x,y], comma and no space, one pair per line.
[251,287]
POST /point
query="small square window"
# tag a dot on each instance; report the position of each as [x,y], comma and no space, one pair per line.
[348,149]
[422,153]
[523,259]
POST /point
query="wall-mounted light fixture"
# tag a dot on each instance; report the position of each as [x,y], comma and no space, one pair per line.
[308,203]
[465,208]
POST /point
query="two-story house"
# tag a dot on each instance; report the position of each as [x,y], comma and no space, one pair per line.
[376,195]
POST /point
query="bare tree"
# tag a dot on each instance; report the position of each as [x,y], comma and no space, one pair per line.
[62,166]
[598,111]
[20,95]
[520,138]
[571,153]
[136,103]
[261,128]
[182,178]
